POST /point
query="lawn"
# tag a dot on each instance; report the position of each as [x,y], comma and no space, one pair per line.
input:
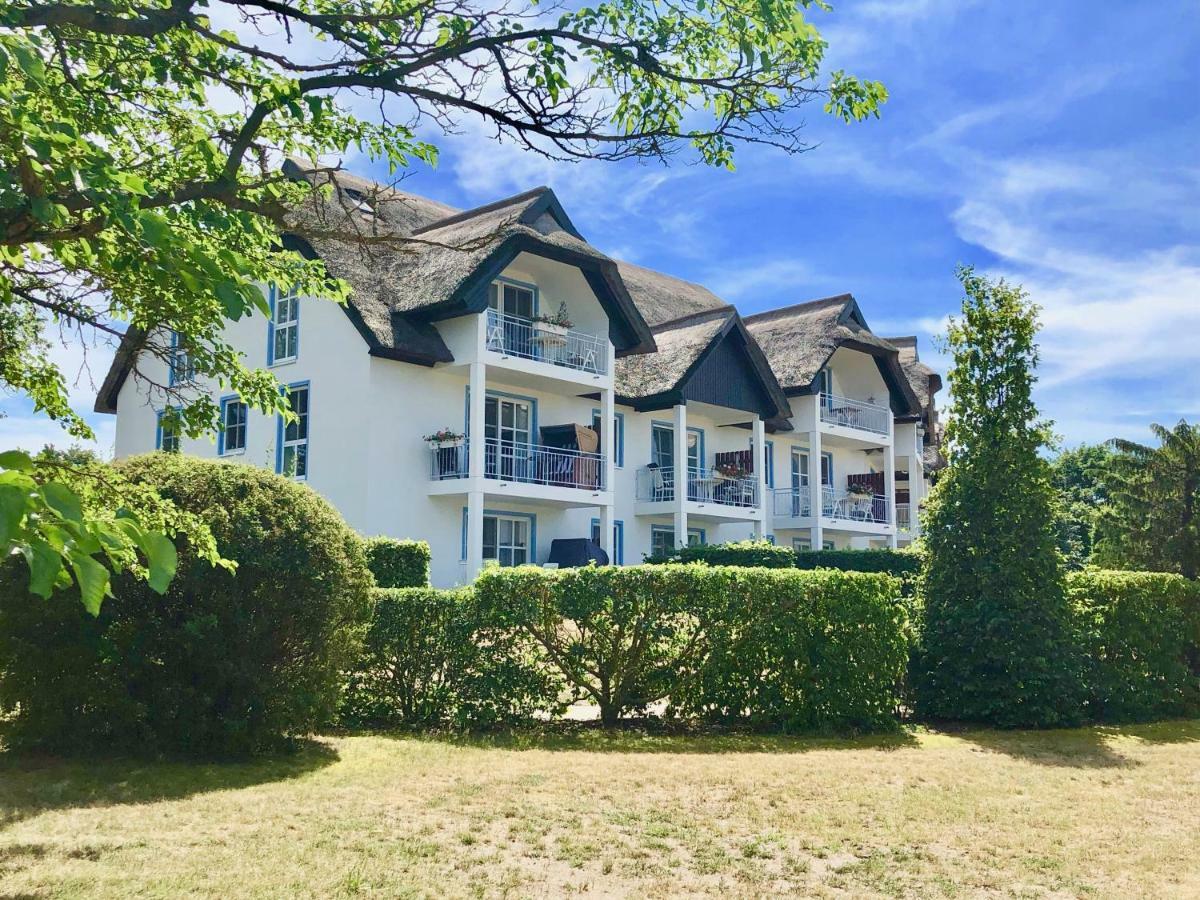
[1093,812]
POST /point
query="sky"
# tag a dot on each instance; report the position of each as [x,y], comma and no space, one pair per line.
[1055,144]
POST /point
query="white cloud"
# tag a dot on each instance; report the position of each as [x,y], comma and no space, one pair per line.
[32,432]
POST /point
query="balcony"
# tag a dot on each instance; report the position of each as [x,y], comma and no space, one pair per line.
[656,484]
[839,508]
[512,462]
[857,415]
[517,336]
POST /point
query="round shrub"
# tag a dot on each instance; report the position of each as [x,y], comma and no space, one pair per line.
[223,664]
[396,563]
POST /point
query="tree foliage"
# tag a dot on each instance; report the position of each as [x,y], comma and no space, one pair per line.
[1081,476]
[997,642]
[1152,520]
[140,143]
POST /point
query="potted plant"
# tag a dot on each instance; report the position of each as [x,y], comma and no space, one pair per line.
[731,470]
[559,322]
[450,460]
[860,490]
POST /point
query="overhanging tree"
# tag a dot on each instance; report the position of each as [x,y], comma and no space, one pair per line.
[997,642]
[1153,517]
[140,144]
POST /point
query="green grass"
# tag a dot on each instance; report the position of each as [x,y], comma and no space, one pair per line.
[1100,812]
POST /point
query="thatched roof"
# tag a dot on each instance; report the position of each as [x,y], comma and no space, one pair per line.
[680,345]
[664,298]
[799,340]
[925,381]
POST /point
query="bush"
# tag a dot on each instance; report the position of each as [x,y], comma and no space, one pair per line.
[771,648]
[1140,637]
[904,564]
[429,660]
[758,554]
[223,663]
[800,650]
[618,636]
[398,564]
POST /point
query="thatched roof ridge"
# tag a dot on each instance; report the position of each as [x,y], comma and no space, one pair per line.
[925,381]
[680,344]
[664,298]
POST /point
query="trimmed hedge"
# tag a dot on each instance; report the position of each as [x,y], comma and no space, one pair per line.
[396,563]
[223,663]
[430,659]
[800,651]
[1140,637]
[757,554]
[771,648]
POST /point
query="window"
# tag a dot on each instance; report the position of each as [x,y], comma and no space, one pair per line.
[513,299]
[181,367]
[768,460]
[827,469]
[824,384]
[232,438]
[291,458]
[360,202]
[618,554]
[801,544]
[618,435]
[827,545]
[167,433]
[284,337]
[662,539]
[507,540]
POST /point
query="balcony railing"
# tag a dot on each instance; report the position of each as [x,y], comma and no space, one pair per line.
[856,414]
[655,483]
[840,505]
[527,339]
[522,462]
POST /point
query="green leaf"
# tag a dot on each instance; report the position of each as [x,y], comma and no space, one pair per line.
[16,459]
[163,560]
[92,579]
[13,504]
[63,501]
[45,565]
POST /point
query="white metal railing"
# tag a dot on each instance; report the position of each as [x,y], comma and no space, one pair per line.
[871,508]
[522,462]
[858,414]
[657,483]
[903,517]
[519,336]
[841,505]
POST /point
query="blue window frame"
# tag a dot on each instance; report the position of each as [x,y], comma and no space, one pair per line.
[513,297]
[618,557]
[181,368]
[166,433]
[662,441]
[291,438]
[283,330]
[662,539]
[618,435]
[232,436]
[510,538]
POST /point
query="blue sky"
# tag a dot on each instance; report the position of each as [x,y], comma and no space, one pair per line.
[1057,144]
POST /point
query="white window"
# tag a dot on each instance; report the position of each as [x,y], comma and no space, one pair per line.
[662,539]
[168,433]
[506,540]
[293,455]
[182,368]
[285,329]
[827,545]
[801,544]
[233,420]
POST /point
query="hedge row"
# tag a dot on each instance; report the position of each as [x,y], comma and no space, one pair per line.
[779,649]
[398,564]
[1139,636]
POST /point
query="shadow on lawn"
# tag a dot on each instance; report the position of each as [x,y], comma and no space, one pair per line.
[31,784]
[640,737]
[1084,748]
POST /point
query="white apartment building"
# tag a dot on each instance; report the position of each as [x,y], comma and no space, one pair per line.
[657,416]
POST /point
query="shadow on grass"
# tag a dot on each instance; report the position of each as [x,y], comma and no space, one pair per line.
[32,783]
[1092,747]
[642,736]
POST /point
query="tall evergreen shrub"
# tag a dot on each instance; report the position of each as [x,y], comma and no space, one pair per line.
[998,646]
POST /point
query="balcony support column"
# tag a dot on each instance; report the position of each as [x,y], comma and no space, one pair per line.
[608,446]
[816,488]
[680,476]
[477,391]
[759,457]
[889,489]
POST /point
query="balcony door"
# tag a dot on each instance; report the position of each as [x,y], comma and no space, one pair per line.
[508,430]
[518,305]
[800,495]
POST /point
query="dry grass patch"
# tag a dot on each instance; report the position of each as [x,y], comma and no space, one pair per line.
[1092,812]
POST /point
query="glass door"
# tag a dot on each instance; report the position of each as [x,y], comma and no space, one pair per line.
[800,492]
[506,539]
[508,437]
[662,455]
[516,304]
